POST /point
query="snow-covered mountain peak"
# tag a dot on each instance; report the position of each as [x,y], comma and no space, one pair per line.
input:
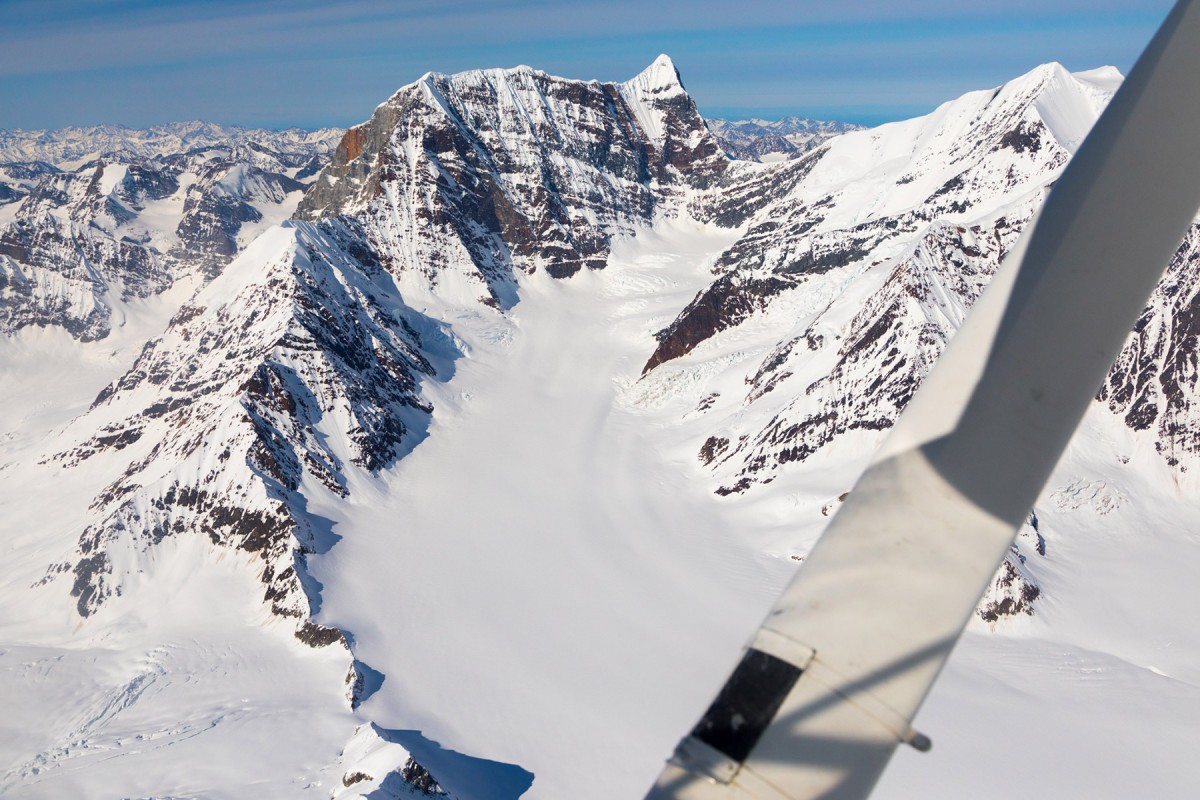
[1108,78]
[1065,103]
[984,144]
[660,78]
[489,173]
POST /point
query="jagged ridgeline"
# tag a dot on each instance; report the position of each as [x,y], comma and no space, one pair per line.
[481,175]
[304,358]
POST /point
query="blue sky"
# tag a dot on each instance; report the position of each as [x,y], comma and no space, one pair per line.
[276,63]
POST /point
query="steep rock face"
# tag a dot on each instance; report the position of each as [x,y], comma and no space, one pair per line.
[471,177]
[1154,384]
[872,366]
[881,240]
[294,363]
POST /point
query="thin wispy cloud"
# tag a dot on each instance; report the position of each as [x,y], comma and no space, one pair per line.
[276,63]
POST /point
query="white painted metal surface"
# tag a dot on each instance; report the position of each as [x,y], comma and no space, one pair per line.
[829,685]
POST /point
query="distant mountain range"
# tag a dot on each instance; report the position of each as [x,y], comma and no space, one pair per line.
[68,147]
[779,140]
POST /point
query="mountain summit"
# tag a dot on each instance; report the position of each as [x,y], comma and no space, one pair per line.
[490,173]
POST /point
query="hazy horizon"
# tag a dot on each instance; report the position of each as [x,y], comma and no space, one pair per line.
[308,64]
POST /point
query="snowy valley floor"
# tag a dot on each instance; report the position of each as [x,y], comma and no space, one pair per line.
[548,581]
[539,581]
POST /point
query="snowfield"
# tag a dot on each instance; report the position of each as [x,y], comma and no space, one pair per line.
[545,582]
[558,576]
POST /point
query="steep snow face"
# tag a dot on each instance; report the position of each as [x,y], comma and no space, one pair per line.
[466,180]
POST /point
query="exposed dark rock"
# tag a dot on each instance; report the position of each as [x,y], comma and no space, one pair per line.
[713,447]
[419,778]
[351,778]
[1153,383]
[90,586]
[1016,595]
[317,636]
[10,194]
[1025,138]
[362,682]
[730,299]
[512,188]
